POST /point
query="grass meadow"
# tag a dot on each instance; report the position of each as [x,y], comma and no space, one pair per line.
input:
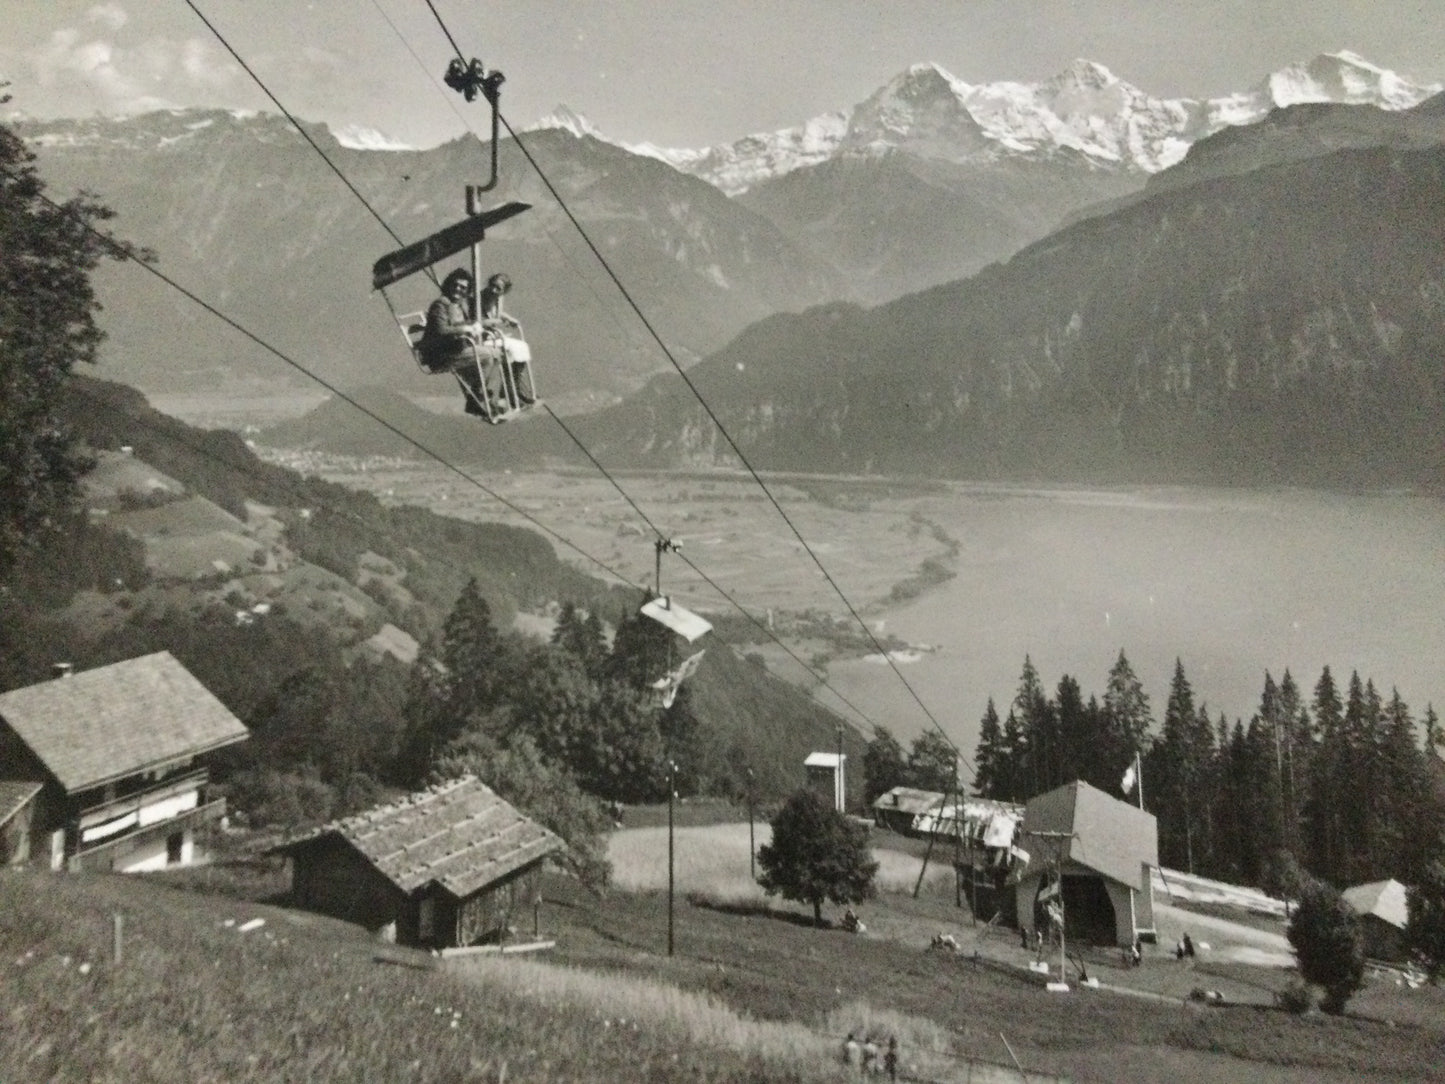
[712,861]
[754,993]
[304,998]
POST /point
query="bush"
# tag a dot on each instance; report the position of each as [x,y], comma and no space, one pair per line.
[1295,997]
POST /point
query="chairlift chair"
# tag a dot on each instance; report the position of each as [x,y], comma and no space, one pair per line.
[498,342]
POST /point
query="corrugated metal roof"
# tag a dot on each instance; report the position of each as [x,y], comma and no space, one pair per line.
[1108,836]
[909,800]
[459,834]
[14,793]
[1383,899]
[103,724]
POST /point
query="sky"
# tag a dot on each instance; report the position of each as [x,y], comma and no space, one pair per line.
[676,73]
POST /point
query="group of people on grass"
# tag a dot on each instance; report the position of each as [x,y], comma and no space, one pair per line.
[868,1058]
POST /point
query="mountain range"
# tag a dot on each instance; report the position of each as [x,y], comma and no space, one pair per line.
[926,181]
[1268,310]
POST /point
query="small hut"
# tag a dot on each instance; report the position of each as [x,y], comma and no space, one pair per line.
[450,866]
[1383,915]
[825,775]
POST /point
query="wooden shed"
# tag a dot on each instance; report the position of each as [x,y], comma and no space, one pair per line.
[445,867]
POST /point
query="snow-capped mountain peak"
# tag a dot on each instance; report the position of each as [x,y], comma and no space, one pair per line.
[1084,109]
[358,137]
[569,121]
[1342,77]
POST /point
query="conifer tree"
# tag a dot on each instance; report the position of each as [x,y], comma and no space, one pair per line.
[988,753]
[1126,707]
[1329,764]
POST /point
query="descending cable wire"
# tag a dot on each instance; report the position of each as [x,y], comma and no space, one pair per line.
[703,575]
[647,324]
[297,125]
[742,458]
[607,310]
[125,251]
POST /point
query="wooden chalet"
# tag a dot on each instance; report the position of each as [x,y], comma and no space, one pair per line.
[99,769]
[1104,849]
[446,867]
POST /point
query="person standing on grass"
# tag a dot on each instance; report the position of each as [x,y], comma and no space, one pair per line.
[870,1055]
[852,1053]
[890,1058]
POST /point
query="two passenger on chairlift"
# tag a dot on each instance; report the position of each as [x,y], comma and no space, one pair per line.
[476,349]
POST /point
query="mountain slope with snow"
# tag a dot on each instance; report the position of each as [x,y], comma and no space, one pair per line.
[1085,109]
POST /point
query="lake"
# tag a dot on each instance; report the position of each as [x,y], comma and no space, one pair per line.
[1232,582]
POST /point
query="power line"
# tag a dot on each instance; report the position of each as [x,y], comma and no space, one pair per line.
[555,417]
[641,316]
[297,125]
[125,251]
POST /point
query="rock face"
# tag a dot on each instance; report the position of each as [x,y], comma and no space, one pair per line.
[1278,320]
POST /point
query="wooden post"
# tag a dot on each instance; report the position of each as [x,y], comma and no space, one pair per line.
[117,938]
[752,849]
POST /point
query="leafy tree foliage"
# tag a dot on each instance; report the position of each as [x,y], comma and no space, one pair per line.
[883,765]
[543,790]
[816,854]
[47,326]
[932,763]
[1425,925]
[1328,944]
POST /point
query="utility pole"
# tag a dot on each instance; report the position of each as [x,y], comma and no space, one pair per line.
[1060,840]
[671,794]
[840,794]
[752,848]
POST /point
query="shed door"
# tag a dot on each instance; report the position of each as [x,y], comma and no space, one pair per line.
[426,919]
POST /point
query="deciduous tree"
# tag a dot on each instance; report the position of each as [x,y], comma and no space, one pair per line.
[816,854]
[1425,925]
[47,326]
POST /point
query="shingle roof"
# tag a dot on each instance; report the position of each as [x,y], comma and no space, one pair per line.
[459,834]
[1109,836]
[103,724]
[1383,899]
[14,793]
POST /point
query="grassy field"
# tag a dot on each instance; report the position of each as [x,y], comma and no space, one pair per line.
[304,998]
[753,991]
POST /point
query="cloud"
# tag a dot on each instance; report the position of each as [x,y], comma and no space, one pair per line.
[110,16]
[99,74]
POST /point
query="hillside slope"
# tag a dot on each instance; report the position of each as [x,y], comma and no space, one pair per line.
[1283,325]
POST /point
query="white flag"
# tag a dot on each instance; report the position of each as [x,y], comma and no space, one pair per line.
[1127,783]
